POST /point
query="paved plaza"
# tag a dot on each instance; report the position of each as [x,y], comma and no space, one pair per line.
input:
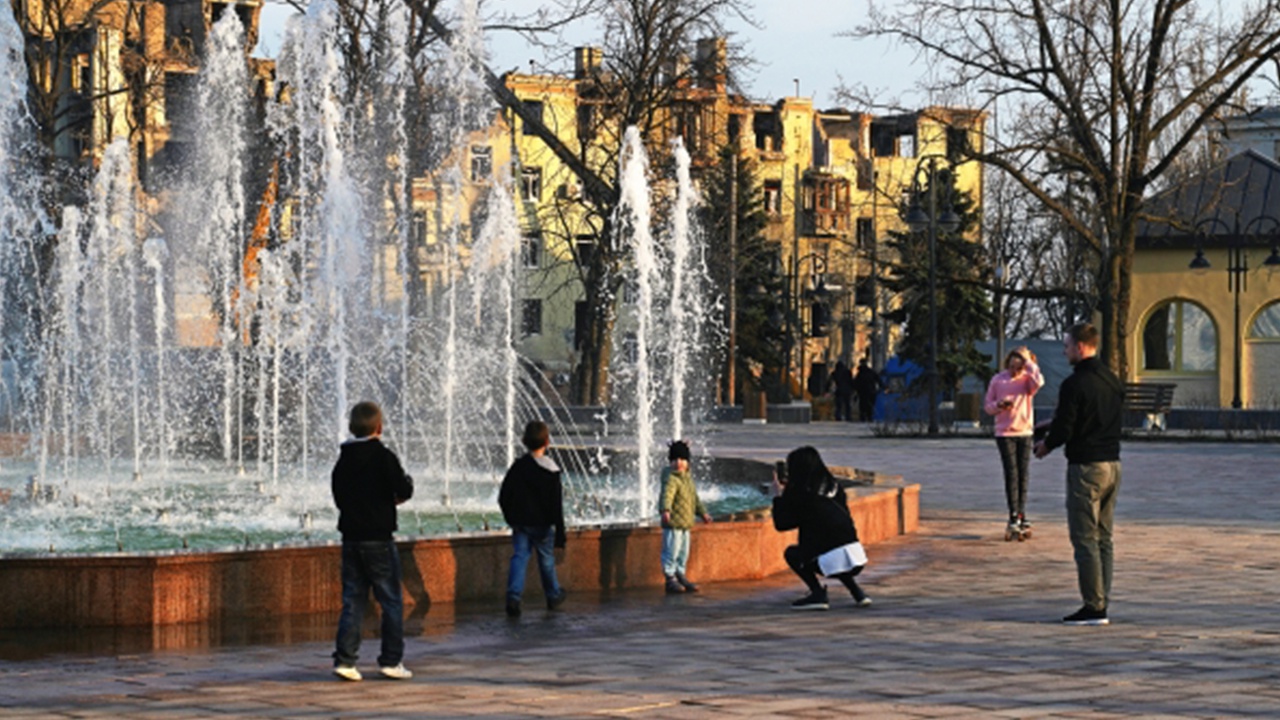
[964,625]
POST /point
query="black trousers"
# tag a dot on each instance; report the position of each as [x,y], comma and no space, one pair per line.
[1015,456]
[807,569]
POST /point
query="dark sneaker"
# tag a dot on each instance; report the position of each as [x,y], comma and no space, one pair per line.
[684,583]
[555,601]
[513,608]
[673,586]
[1087,616]
[812,601]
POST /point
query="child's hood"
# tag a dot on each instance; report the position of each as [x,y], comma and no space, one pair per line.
[546,463]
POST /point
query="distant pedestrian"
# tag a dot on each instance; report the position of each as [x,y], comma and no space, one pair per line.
[681,506]
[867,384]
[1087,421]
[368,483]
[809,498]
[532,504]
[1010,398]
[842,382]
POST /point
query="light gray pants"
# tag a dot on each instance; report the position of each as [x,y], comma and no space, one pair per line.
[1091,504]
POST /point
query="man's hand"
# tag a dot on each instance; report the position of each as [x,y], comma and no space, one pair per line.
[706,518]
[1039,450]
[666,516]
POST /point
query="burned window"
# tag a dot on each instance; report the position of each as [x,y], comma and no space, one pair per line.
[865,232]
[958,145]
[584,248]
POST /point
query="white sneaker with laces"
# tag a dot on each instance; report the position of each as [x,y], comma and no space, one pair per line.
[348,672]
[398,672]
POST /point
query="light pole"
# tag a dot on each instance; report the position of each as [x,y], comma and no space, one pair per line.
[1237,276]
[920,220]
[819,266]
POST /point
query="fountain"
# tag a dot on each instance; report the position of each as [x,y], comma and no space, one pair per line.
[189,387]
[174,397]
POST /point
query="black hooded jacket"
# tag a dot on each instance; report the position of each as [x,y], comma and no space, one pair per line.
[368,482]
[531,495]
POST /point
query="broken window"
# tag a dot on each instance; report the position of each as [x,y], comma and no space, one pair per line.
[531,251]
[531,317]
[481,162]
[534,108]
[773,197]
[531,184]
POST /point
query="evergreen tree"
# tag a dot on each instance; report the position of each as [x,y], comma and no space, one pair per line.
[760,349]
[964,310]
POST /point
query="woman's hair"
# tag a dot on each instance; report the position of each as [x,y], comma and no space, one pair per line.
[806,473]
[1012,354]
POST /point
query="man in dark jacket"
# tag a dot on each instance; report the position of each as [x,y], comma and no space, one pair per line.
[867,384]
[368,483]
[842,382]
[532,505]
[1087,422]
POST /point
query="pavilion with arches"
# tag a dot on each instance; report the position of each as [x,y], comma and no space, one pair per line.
[1205,302]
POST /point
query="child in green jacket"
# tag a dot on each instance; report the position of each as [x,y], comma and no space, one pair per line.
[680,508]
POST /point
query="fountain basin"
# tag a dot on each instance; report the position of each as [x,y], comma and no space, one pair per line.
[199,587]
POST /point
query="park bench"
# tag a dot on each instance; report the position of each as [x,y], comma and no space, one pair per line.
[1148,404]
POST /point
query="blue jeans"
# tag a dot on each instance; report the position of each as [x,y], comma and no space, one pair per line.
[675,551]
[525,539]
[370,565]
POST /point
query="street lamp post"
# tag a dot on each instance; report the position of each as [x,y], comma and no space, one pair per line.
[794,335]
[919,220]
[1237,277]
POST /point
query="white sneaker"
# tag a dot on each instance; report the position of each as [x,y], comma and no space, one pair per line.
[398,672]
[864,602]
[348,672]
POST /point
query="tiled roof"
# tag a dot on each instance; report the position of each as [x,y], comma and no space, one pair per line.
[1237,200]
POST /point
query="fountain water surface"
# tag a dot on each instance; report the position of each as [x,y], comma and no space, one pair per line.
[188,387]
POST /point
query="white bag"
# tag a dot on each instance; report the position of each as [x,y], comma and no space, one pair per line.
[842,559]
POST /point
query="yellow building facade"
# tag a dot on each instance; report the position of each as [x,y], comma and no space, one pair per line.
[1182,321]
[833,183]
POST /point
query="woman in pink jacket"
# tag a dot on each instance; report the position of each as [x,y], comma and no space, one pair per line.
[1009,399]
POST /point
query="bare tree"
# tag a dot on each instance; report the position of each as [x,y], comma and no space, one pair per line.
[1100,96]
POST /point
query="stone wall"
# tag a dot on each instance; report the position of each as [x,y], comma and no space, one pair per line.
[182,587]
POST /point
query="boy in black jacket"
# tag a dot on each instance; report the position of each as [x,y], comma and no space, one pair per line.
[368,483]
[531,502]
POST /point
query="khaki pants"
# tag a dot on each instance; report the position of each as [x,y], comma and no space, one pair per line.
[1091,504]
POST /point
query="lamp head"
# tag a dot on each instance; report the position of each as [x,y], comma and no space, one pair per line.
[917,219]
[1199,264]
[950,221]
[1273,260]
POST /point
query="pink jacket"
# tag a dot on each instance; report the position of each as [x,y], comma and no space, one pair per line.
[1019,420]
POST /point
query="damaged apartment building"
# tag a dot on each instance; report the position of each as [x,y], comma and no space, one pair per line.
[833,183]
[100,72]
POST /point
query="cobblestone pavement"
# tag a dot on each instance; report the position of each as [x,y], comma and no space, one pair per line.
[964,624]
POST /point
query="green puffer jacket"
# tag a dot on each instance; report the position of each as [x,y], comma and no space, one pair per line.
[680,498]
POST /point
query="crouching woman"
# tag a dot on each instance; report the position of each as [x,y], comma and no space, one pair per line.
[808,497]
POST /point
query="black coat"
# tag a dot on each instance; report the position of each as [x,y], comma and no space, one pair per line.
[532,495]
[367,483]
[1089,414]
[823,519]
